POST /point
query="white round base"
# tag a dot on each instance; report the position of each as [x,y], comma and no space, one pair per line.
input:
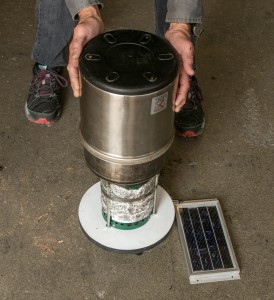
[134,240]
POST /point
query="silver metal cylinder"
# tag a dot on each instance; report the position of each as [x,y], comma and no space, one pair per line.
[129,81]
[123,141]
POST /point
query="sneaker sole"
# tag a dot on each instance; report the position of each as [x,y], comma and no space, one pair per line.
[192,132]
[43,119]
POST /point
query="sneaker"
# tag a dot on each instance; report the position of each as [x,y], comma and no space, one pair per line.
[190,120]
[43,105]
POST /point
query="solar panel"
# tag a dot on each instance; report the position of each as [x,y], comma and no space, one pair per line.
[206,242]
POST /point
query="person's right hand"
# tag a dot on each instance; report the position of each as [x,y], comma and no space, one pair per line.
[89,26]
[179,36]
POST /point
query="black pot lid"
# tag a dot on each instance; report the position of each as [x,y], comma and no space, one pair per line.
[129,62]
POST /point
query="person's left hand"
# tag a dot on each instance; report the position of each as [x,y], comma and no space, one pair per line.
[179,37]
[89,26]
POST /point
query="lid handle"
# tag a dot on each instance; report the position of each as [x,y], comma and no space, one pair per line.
[113,76]
[93,57]
[165,56]
[110,38]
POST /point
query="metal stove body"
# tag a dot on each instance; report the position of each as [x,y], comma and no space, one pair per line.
[129,83]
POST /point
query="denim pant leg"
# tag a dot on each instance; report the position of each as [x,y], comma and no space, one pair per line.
[160,10]
[54,28]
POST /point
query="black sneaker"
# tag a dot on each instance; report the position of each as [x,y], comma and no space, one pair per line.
[190,120]
[43,105]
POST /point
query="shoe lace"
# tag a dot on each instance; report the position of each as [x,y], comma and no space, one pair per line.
[45,83]
[194,96]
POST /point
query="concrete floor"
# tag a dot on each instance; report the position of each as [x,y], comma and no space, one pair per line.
[44,254]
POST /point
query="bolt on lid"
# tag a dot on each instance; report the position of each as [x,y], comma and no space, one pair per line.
[129,62]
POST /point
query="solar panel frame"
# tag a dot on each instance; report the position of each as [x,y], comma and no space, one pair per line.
[231,271]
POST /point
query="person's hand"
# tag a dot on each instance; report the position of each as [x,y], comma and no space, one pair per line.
[179,37]
[89,26]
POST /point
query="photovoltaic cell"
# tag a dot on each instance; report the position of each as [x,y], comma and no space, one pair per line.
[206,242]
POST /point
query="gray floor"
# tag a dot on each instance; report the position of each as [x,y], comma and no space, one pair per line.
[44,254]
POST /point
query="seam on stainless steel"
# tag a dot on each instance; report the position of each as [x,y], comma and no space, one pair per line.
[126,160]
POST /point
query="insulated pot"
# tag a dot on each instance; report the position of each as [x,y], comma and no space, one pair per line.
[129,81]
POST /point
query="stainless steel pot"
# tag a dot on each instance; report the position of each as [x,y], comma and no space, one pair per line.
[129,82]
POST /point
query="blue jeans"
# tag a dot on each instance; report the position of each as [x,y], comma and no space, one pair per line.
[54,29]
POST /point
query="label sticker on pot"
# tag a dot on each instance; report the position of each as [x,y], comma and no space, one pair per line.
[159,103]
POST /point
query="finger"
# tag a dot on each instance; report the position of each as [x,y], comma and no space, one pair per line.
[75,85]
[187,54]
[179,102]
[182,91]
[73,66]
[188,65]
[74,80]
[80,84]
